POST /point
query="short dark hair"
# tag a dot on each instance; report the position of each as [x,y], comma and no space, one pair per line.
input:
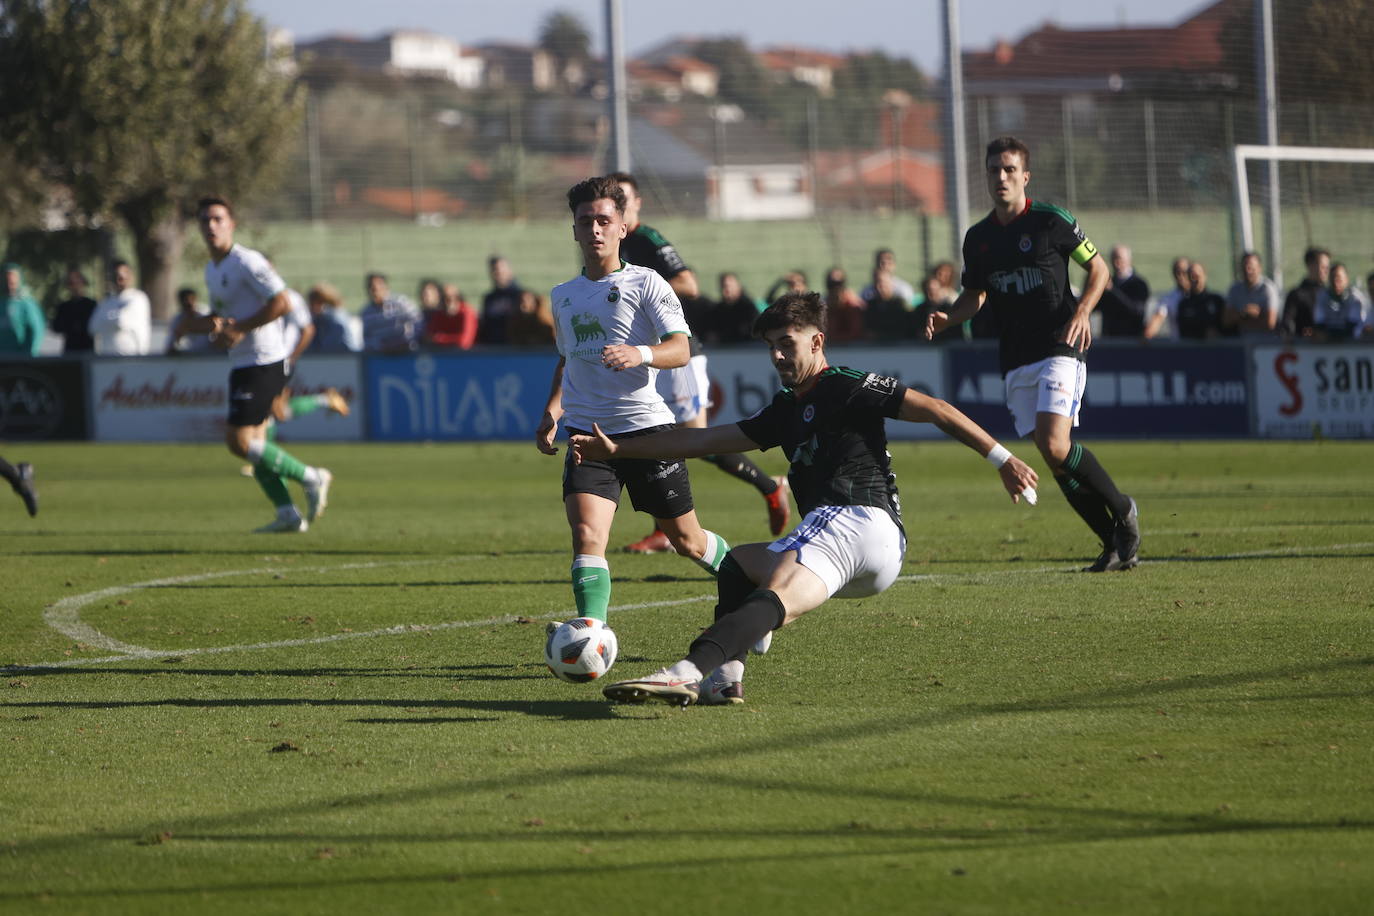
[373,275]
[1009,145]
[186,291]
[792,310]
[624,178]
[211,200]
[118,263]
[1309,257]
[598,188]
[1247,255]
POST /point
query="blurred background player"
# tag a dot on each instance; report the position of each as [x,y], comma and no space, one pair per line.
[687,391]
[1016,260]
[249,300]
[616,323]
[20,477]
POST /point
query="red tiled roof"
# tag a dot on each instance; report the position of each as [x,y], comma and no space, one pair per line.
[1051,51]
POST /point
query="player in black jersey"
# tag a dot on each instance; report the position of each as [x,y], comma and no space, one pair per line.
[830,422]
[1017,262]
[686,391]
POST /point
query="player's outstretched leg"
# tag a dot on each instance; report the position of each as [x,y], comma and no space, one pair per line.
[20,478]
[727,638]
[773,489]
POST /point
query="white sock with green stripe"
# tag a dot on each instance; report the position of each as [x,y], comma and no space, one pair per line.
[591,583]
[716,549]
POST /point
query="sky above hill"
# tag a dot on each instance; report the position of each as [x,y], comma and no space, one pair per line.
[909,29]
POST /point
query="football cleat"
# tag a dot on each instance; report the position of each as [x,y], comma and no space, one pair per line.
[1108,561]
[661,686]
[720,692]
[657,542]
[24,487]
[284,524]
[317,497]
[779,509]
[336,402]
[1126,538]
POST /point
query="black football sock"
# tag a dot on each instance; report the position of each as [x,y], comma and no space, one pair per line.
[9,472]
[737,465]
[732,588]
[1082,466]
[732,635]
[1089,506]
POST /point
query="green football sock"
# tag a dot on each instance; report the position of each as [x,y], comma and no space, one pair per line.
[280,462]
[591,582]
[303,404]
[716,549]
[272,485]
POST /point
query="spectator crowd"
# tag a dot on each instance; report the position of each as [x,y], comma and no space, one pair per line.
[1327,305]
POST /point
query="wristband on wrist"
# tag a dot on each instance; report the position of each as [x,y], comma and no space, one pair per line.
[998,456]
[646,356]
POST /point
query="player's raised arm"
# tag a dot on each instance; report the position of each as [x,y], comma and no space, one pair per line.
[683,442]
[1018,477]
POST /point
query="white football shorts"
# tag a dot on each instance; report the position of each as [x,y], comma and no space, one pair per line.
[1053,385]
[686,391]
[856,550]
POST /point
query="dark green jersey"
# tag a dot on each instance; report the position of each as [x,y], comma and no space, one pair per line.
[1024,269]
[645,247]
[836,439]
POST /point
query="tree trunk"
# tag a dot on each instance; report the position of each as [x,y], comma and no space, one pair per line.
[158,244]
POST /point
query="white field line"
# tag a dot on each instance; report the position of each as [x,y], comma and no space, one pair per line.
[64,615]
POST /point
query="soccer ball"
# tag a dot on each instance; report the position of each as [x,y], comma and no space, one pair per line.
[581,650]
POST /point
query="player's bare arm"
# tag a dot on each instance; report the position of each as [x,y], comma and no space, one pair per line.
[672,353]
[553,411]
[1078,332]
[307,335]
[683,442]
[1017,476]
[231,331]
[684,283]
[964,308]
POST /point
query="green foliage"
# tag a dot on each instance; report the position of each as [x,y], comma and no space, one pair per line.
[1321,49]
[994,733]
[137,106]
[563,35]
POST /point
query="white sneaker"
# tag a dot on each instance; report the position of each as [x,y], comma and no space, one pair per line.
[761,647]
[317,497]
[284,524]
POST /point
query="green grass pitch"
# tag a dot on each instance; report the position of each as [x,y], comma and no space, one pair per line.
[358,719]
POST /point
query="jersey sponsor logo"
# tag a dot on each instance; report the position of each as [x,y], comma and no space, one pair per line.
[809,413]
[882,384]
[1025,243]
[586,326]
[1019,281]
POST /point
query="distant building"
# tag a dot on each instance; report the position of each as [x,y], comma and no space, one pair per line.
[802,65]
[674,77]
[519,66]
[401,53]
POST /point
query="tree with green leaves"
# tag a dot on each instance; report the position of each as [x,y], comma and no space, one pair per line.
[132,109]
[564,36]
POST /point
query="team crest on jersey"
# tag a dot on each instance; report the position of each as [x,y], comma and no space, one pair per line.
[1025,243]
[809,413]
[565,303]
[613,295]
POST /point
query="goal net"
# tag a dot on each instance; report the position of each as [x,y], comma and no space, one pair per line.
[1324,199]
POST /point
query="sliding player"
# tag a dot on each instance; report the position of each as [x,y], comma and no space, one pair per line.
[830,421]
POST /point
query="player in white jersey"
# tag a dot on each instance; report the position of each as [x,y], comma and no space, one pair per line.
[248,300]
[616,325]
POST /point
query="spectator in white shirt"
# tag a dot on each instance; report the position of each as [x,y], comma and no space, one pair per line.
[122,322]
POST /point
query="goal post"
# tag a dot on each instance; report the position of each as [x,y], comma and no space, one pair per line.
[1245,153]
